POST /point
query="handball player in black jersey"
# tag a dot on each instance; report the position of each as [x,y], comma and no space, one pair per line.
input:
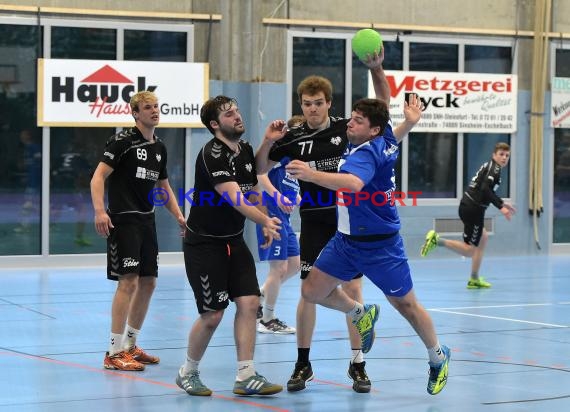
[219,265]
[133,164]
[320,141]
[472,208]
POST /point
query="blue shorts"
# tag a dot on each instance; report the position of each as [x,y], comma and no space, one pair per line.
[282,249]
[384,262]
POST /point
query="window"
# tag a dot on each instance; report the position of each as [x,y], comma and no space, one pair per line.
[75,151]
[83,43]
[155,45]
[488,59]
[561,191]
[478,147]
[434,57]
[433,156]
[322,57]
[21,154]
[163,46]
[438,164]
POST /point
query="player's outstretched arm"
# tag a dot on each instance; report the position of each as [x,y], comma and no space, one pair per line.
[412,114]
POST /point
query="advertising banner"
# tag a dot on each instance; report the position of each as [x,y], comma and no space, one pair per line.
[560,102]
[456,102]
[96,93]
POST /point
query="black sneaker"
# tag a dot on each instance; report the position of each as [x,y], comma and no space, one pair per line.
[302,374]
[357,373]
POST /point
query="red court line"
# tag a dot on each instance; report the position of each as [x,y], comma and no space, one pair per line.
[136,378]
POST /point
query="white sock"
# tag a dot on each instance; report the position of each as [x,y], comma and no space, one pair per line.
[436,355]
[262,297]
[268,313]
[115,343]
[130,337]
[356,312]
[357,356]
[190,365]
[245,370]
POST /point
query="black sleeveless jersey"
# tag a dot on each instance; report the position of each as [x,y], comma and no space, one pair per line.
[483,185]
[211,213]
[137,165]
[322,150]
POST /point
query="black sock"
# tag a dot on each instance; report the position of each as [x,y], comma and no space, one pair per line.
[303,355]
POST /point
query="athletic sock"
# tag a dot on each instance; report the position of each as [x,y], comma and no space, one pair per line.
[436,355]
[356,312]
[130,337]
[245,370]
[357,356]
[189,366]
[303,355]
[268,313]
[115,343]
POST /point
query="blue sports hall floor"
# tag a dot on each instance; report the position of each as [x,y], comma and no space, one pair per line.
[510,345]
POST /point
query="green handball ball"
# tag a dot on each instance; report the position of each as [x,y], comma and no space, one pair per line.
[366,41]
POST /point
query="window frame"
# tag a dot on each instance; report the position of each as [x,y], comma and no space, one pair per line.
[406,39]
[558,248]
[46,23]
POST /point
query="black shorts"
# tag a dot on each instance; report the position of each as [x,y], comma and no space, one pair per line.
[314,236]
[132,247]
[219,271]
[473,218]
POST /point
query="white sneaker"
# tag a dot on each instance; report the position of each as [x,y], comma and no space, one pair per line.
[275,326]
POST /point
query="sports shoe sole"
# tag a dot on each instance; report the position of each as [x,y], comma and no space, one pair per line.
[296,387]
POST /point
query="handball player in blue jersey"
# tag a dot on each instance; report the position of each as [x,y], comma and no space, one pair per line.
[367,239]
[280,196]
[321,141]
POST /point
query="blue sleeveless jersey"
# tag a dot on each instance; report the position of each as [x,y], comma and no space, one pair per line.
[372,211]
[286,185]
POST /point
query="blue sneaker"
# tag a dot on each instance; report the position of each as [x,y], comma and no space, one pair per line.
[256,385]
[365,326]
[438,373]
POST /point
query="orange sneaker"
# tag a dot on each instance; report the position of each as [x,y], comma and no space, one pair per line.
[141,356]
[122,361]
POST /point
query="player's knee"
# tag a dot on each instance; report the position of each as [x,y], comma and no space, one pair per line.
[278,268]
[212,319]
[309,291]
[147,284]
[405,307]
[128,284]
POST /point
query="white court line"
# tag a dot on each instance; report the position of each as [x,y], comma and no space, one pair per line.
[518,305]
[499,318]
